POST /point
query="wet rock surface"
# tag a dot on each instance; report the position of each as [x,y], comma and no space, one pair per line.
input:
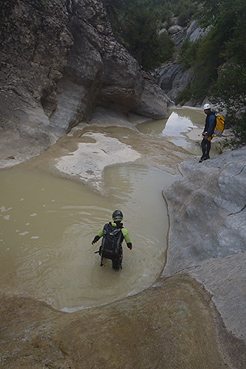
[59,61]
[208,233]
[176,322]
[169,325]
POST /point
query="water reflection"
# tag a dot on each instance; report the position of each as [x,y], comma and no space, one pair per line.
[47,224]
[176,125]
[176,128]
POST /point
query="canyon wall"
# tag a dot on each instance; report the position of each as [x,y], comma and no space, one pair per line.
[59,62]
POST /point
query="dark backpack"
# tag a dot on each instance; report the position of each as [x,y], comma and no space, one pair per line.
[112,239]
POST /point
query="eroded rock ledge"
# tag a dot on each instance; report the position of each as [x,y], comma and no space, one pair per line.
[207,237]
[59,61]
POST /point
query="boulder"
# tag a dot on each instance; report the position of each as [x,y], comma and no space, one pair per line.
[174,29]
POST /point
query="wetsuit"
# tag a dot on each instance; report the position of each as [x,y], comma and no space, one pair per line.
[124,235]
[209,131]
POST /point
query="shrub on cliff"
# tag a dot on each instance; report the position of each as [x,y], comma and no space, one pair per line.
[136,25]
[219,62]
[229,90]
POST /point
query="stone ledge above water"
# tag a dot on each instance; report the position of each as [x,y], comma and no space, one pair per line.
[207,237]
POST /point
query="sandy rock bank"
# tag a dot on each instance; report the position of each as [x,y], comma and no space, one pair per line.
[167,326]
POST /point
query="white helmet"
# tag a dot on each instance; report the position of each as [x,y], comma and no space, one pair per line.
[206,106]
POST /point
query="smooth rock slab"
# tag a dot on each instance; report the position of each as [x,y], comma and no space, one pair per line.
[167,326]
[207,237]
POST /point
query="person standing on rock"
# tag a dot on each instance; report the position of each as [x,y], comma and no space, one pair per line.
[113,234]
[208,132]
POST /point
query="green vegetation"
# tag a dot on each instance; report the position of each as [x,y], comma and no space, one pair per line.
[137,23]
[230,93]
[218,60]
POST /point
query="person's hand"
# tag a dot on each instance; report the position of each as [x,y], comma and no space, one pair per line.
[206,137]
[92,242]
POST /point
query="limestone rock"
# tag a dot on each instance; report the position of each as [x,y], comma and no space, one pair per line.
[225,279]
[174,29]
[59,61]
[171,77]
[194,32]
[35,45]
[207,237]
[173,80]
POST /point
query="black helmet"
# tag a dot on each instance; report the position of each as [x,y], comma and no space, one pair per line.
[117,216]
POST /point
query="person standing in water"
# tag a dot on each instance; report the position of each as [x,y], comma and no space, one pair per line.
[208,132]
[113,234]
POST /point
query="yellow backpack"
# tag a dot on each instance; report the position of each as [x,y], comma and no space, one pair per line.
[220,125]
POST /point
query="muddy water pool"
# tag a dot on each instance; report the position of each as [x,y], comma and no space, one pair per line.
[183,127]
[47,222]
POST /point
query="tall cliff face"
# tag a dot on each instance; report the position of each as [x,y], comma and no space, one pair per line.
[59,60]
[171,77]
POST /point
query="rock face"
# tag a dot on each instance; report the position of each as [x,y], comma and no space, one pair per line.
[207,237]
[159,328]
[171,78]
[59,60]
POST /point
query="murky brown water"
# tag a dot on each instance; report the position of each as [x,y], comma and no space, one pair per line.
[177,129]
[47,222]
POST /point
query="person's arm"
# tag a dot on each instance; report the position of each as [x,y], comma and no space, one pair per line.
[212,119]
[127,238]
[97,237]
